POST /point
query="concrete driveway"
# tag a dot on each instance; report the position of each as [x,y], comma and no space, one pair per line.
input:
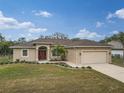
[113,71]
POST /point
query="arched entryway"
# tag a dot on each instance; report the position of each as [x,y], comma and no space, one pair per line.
[42,53]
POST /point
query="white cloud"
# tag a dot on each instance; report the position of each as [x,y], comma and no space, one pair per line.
[118,13]
[99,24]
[110,15]
[115,32]
[21,35]
[1,14]
[43,13]
[8,23]
[37,30]
[86,34]
[28,36]
[8,37]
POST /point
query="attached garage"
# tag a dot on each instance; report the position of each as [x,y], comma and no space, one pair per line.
[89,57]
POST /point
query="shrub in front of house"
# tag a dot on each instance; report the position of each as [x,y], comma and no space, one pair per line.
[11,62]
[37,63]
[17,61]
[63,64]
[83,67]
[47,63]
[89,67]
[23,61]
[6,62]
[34,62]
[1,63]
[76,67]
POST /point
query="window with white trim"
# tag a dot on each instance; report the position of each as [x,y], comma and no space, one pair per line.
[24,52]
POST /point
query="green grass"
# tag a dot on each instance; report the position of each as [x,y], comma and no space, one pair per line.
[49,78]
[5,58]
[118,61]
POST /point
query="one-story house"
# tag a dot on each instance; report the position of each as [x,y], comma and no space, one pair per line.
[79,51]
[117,48]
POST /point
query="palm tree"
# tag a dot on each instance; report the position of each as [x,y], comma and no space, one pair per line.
[60,51]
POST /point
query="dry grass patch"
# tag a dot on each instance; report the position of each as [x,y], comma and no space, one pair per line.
[47,78]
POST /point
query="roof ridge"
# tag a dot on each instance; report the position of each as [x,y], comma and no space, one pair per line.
[68,42]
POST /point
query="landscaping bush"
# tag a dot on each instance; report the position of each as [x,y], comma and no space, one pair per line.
[76,67]
[47,63]
[89,67]
[26,62]
[6,62]
[17,61]
[37,63]
[1,63]
[34,62]
[63,64]
[9,62]
[23,61]
[83,67]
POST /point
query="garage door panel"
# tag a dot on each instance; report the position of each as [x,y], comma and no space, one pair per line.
[94,57]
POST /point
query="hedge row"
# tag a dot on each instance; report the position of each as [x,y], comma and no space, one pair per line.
[9,62]
[28,62]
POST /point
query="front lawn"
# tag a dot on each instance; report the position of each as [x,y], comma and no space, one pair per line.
[49,78]
[118,61]
[4,59]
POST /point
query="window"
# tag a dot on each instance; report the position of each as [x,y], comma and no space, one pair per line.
[24,52]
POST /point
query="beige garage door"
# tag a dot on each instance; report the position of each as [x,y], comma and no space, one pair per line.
[94,57]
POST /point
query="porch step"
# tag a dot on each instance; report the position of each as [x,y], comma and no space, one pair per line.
[44,61]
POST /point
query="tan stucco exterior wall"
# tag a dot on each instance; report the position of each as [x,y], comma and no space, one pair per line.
[74,55]
[71,56]
[17,54]
[32,54]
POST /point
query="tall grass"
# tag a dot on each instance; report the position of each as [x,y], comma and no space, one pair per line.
[118,61]
[5,59]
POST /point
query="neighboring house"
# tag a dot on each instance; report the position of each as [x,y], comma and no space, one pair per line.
[117,48]
[79,51]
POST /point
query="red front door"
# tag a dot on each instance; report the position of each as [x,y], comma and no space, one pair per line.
[42,55]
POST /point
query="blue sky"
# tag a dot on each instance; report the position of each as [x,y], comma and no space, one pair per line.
[87,19]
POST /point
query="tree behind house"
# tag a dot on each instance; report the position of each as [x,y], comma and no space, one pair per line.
[2,38]
[56,35]
[21,40]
